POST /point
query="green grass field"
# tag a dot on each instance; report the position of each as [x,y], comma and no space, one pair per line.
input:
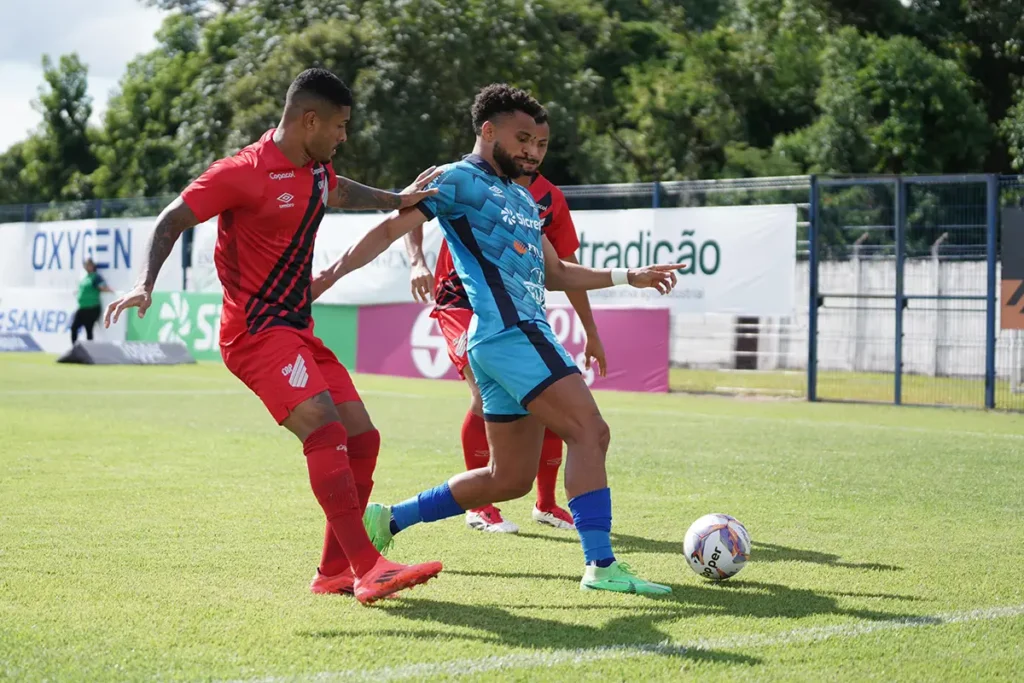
[871,387]
[156,525]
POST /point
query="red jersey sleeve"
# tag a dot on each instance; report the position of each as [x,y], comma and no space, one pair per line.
[228,184]
[561,231]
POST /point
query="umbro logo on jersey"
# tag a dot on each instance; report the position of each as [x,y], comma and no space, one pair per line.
[296,373]
[286,200]
[497,191]
[282,176]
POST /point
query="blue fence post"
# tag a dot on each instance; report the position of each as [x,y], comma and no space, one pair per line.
[901,254]
[991,228]
[656,198]
[812,302]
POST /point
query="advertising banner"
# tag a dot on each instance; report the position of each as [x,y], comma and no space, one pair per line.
[403,340]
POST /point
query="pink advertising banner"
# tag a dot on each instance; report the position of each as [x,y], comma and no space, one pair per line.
[404,341]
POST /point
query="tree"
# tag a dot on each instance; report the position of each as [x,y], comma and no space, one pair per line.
[62,149]
[891,106]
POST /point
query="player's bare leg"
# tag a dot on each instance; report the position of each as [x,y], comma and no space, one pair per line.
[317,424]
[476,452]
[334,573]
[568,408]
[515,450]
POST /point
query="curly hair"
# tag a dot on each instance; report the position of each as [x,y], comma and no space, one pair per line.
[501,98]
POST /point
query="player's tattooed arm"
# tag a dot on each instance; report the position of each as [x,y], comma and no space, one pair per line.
[349,194]
[352,195]
[175,219]
[172,221]
[372,245]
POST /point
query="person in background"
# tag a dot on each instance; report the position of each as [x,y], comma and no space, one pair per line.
[89,309]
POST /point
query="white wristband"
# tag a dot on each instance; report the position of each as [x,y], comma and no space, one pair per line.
[620,276]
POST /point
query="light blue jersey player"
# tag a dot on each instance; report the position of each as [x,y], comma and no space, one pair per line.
[495,236]
[527,380]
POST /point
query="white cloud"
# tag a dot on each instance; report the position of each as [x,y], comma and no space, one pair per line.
[106,34]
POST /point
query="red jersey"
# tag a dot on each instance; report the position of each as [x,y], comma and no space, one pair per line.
[558,228]
[269,211]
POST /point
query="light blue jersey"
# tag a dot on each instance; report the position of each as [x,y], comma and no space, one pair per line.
[494,233]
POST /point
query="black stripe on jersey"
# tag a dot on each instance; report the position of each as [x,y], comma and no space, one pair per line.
[291,293]
[257,303]
[552,359]
[492,276]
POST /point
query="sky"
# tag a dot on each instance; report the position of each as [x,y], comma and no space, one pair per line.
[106,34]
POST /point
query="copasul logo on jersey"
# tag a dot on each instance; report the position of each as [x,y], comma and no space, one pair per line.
[535,286]
[515,218]
[282,176]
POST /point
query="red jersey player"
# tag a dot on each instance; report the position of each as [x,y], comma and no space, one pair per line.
[453,314]
[270,199]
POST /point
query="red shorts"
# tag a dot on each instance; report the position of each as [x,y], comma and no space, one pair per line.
[285,366]
[454,324]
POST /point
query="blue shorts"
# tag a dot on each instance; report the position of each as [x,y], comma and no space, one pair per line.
[514,366]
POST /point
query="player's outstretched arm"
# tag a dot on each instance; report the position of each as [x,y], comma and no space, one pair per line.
[565,276]
[369,247]
[349,194]
[420,277]
[175,219]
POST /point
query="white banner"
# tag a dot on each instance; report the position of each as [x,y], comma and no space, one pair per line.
[46,315]
[50,255]
[738,260]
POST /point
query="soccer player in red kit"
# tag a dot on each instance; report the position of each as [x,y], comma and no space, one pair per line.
[270,199]
[453,314]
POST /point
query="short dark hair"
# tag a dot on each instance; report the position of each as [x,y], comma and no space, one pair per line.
[502,98]
[319,84]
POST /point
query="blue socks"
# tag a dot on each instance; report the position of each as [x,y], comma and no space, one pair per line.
[429,506]
[592,515]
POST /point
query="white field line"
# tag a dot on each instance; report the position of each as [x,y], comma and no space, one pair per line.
[537,660]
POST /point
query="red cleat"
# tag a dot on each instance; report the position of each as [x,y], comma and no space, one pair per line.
[339,583]
[388,577]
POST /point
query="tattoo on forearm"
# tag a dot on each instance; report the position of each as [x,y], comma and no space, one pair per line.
[168,229]
[353,195]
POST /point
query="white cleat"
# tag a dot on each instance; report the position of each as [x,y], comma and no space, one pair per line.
[489,519]
[557,518]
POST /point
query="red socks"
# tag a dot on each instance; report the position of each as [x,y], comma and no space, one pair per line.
[475,450]
[334,486]
[547,472]
[362,453]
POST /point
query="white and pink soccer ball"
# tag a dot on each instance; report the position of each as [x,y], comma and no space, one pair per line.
[716,546]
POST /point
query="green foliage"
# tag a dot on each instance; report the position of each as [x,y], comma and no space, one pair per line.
[638,90]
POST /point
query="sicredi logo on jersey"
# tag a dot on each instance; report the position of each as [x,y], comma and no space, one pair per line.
[515,218]
[282,176]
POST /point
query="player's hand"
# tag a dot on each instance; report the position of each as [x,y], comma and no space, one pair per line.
[422,283]
[138,298]
[594,353]
[661,277]
[414,194]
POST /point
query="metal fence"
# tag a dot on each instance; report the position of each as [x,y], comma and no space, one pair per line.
[894,289]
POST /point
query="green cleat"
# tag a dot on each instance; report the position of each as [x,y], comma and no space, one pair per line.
[377,520]
[618,577]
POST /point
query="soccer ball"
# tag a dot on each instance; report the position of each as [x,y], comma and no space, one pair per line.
[716,546]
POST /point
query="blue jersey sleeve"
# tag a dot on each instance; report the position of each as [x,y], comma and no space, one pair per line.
[442,203]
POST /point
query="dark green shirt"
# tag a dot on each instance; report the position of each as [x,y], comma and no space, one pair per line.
[89,290]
